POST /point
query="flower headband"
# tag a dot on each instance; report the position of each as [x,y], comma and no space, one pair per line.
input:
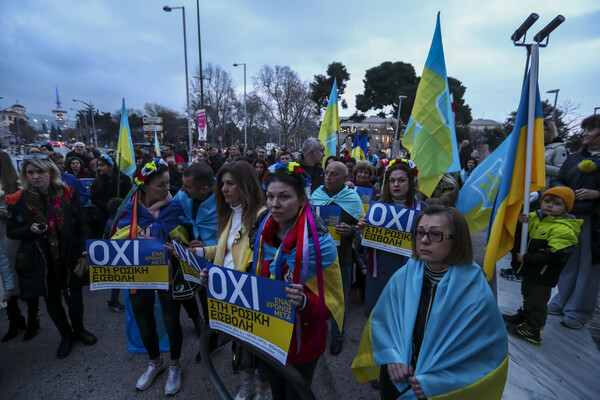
[289,168]
[142,175]
[107,159]
[410,164]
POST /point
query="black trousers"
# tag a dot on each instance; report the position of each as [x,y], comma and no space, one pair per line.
[282,388]
[142,303]
[74,299]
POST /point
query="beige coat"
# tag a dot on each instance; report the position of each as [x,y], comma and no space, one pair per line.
[216,254]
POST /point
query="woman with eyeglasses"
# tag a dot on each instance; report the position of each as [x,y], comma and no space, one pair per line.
[436,328]
[399,189]
[48,218]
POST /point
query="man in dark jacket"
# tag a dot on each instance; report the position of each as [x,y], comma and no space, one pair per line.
[311,160]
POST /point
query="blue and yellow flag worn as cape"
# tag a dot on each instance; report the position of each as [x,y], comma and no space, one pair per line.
[464,354]
[346,198]
[204,224]
[165,225]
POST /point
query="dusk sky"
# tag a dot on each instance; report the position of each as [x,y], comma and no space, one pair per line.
[102,51]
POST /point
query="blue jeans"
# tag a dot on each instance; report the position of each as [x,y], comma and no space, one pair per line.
[346,271]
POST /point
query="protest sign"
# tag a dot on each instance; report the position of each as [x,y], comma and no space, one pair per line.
[251,308]
[191,264]
[366,194]
[128,264]
[332,217]
[389,228]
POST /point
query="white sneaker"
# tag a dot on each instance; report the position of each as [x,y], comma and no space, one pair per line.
[148,377]
[263,394]
[247,390]
[174,380]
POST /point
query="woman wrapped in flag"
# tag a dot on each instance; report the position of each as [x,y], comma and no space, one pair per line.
[146,214]
[292,245]
[436,331]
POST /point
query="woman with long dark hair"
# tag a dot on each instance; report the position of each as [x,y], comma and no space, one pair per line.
[239,200]
[400,189]
[48,218]
[315,287]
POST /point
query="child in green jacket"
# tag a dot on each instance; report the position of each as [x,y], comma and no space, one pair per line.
[551,236]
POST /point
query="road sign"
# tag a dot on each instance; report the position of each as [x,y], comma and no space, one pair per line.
[153,120]
[153,128]
[220,138]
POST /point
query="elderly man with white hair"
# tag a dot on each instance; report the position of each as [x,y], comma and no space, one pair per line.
[79,151]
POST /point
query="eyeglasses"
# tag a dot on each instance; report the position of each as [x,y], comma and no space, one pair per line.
[434,236]
[38,156]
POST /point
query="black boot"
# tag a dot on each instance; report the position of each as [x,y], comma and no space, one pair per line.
[33,324]
[64,348]
[13,328]
[84,336]
[15,318]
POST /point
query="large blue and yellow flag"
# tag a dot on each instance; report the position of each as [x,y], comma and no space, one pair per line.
[359,147]
[464,352]
[430,136]
[477,196]
[125,156]
[330,126]
[509,200]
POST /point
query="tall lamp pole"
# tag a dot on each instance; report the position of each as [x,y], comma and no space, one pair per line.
[245,114]
[91,107]
[396,149]
[555,91]
[187,89]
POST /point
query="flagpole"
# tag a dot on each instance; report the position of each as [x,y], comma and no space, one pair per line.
[533,78]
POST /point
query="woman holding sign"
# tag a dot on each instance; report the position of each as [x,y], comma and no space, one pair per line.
[399,189]
[146,215]
[436,329]
[291,245]
[48,218]
[239,200]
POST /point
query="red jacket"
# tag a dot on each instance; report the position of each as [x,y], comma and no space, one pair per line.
[178,158]
[312,342]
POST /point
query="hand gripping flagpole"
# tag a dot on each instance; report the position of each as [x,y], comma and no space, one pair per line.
[533,78]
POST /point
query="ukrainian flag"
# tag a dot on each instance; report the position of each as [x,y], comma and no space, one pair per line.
[464,352]
[330,126]
[510,196]
[359,147]
[125,156]
[430,136]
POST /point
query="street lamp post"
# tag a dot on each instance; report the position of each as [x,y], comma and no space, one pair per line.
[245,114]
[396,149]
[555,91]
[187,89]
[91,107]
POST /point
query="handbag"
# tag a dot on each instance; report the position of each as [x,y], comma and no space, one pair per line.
[242,358]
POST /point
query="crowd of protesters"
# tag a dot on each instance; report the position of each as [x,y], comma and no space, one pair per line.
[225,205]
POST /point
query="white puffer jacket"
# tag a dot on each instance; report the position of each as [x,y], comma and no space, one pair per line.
[556,154]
